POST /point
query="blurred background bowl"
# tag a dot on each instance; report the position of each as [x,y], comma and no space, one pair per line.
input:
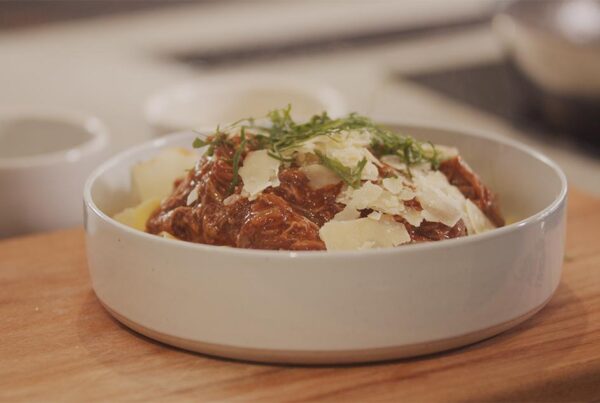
[554,51]
[206,103]
[45,156]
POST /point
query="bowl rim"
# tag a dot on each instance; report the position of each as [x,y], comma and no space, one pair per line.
[97,140]
[278,254]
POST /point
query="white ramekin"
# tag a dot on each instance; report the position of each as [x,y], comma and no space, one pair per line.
[41,182]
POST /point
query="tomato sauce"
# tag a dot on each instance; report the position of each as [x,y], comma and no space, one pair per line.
[287,217]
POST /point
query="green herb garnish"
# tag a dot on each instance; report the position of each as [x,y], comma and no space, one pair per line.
[199,143]
[435,157]
[349,175]
[409,150]
[218,139]
[236,161]
[282,133]
[278,133]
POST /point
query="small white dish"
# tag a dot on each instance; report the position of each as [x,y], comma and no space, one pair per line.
[45,156]
[335,307]
[556,44]
[205,103]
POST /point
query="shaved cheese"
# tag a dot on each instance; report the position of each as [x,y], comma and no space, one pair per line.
[443,152]
[394,185]
[477,218]
[438,209]
[342,140]
[165,234]
[372,196]
[351,157]
[136,217]
[421,168]
[407,194]
[467,221]
[372,158]
[363,233]
[192,197]
[347,147]
[305,159]
[394,161]
[320,176]
[440,203]
[412,216]
[362,197]
[375,215]
[388,203]
[400,187]
[367,245]
[259,172]
[350,138]
[369,172]
[348,213]
[229,200]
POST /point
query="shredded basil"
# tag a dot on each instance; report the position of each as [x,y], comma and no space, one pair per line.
[349,175]
[279,132]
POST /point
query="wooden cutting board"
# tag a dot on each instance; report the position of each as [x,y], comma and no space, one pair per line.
[58,343]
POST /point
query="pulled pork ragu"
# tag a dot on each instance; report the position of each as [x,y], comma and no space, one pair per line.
[287,217]
[460,175]
[431,231]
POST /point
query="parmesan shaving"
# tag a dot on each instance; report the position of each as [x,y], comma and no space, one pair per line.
[394,162]
[399,187]
[372,196]
[412,216]
[394,185]
[348,213]
[192,197]
[167,235]
[364,196]
[363,233]
[320,176]
[440,203]
[259,172]
[478,220]
[388,203]
[229,200]
[443,152]
[370,172]
[347,147]
[375,215]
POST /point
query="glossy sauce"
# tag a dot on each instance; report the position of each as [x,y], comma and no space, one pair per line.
[287,217]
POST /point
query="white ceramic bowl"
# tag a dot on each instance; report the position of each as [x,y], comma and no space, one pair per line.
[325,307]
[192,105]
[45,157]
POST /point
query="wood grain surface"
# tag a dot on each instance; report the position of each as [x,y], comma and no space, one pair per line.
[58,344]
